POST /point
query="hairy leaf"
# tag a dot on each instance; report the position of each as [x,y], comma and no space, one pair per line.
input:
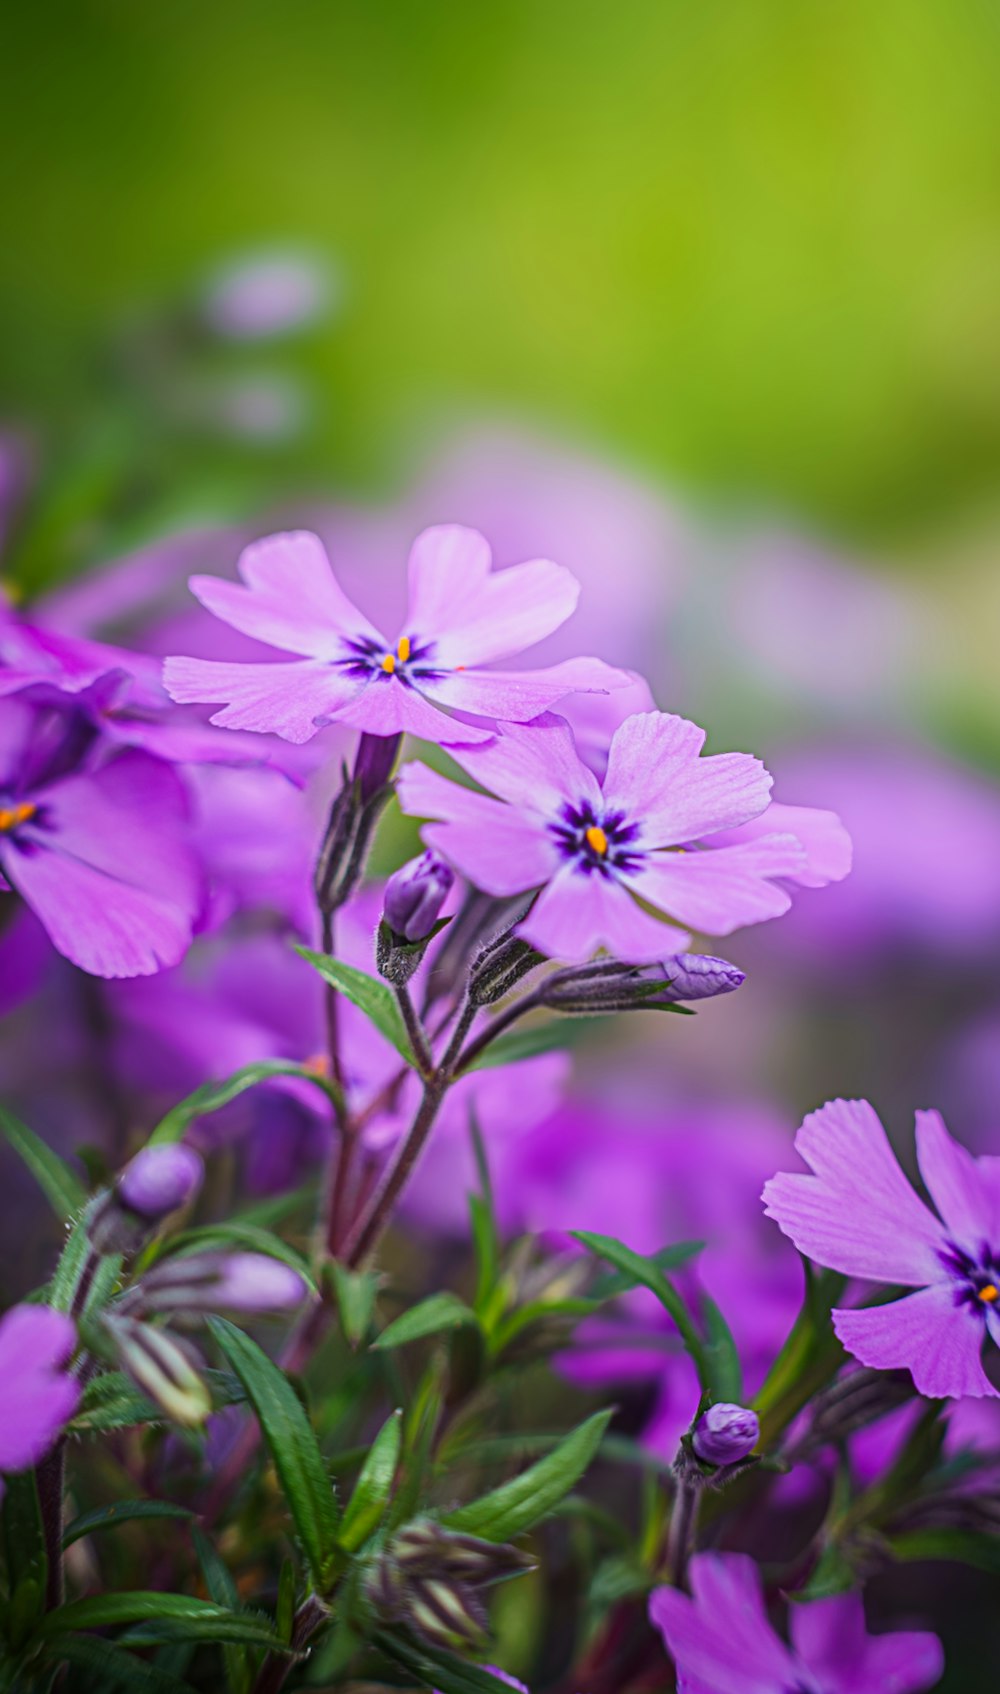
[515,1506]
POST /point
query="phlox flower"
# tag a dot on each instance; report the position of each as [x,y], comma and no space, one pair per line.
[461,617]
[722,1643]
[37,1396]
[858,1214]
[95,845]
[644,834]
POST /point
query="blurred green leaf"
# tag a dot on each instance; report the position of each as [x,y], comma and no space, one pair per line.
[27,1559]
[438,1312]
[356,1292]
[66,1279]
[211,1096]
[182,1615]
[722,1359]
[125,1511]
[292,1443]
[648,1274]
[374,1486]
[436,1669]
[959,1546]
[223,1590]
[114,1667]
[61,1188]
[515,1506]
[548,1037]
[367,993]
[248,1236]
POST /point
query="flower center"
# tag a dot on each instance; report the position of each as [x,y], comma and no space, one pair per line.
[977,1275]
[988,1293]
[12,816]
[596,844]
[400,656]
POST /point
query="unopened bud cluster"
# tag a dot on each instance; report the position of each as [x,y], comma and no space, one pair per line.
[431,1580]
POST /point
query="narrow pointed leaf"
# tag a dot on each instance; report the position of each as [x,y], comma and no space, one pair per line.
[126,1511]
[374,1486]
[439,1312]
[649,1275]
[515,1506]
[432,1667]
[64,1192]
[292,1443]
[367,993]
[212,1096]
[113,1667]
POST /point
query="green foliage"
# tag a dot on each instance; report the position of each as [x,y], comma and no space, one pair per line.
[367,993]
[518,1505]
[429,1317]
[65,1194]
[372,1490]
[122,1511]
[212,1096]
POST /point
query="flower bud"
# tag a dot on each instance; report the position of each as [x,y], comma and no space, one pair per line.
[353,816]
[725,1434]
[373,763]
[613,986]
[430,1578]
[159,1180]
[152,1185]
[161,1368]
[204,1282]
[414,896]
[499,968]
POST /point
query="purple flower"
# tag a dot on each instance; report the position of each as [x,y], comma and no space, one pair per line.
[37,1396]
[722,1643]
[240,1282]
[415,894]
[858,1214]
[461,616]
[264,295]
[725,1434]
[595,849]
[96,849]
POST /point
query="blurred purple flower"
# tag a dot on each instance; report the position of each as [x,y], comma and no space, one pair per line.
[592,847]
[158,1180]
[721,1641]
[37,1396]
[266,294]
[96,849]
[461,616]
[858,1214]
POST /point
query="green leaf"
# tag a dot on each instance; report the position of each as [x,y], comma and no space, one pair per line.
[548,1037]
[27,1560]
[355,1291]
[113,1667]
[66,1278]
[61,1188]
[180,1614]
[834,1574]
[430,1317]
[292,1443]
[648,1275]
[961,1546]
[434,1668]
[371,996]
[222,1589]
[245,1235]
[126,1511]
[668,1258]
[722,1359]
[112,1401]
[515,1506]
[211,1096]
[374,1485]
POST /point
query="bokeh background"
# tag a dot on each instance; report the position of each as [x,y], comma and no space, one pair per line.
[701,300]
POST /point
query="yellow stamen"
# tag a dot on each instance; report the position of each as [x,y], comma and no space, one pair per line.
[403,649]
[389,663]
[596,839]
[990,1293]
[11,816]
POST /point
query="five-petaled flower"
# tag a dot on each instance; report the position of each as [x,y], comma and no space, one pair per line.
[722,1643]
[858,1214]
[37,1395]
[645,835]
[462,616]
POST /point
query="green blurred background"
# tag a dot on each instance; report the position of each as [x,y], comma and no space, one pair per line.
[753,245]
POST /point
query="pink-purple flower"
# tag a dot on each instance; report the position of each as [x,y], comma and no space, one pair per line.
[462,616]
[37,1395]
[607,855]
[857,1213]
[721,1641]
[95,845]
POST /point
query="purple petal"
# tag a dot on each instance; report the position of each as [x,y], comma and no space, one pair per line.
[655,773]
[498,849]
[474,614]
[292,598]
[289,699]
[36,1398]
[577,914]
[928,1334]
[721,1641]
[831,1639]
[826,843]
[718,889]
[386,707]
[858,1213]
[519,696]
[955,1182]
[534,766]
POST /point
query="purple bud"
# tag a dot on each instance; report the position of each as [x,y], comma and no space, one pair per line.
[373,763]
[414,896]
[158,1180]
[726,1434]
[697,976]
[203,1282]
